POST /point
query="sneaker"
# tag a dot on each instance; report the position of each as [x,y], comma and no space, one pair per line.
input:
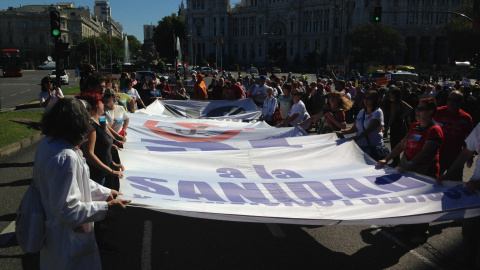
[105,247]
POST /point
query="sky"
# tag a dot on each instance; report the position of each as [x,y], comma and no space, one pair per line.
[131,14]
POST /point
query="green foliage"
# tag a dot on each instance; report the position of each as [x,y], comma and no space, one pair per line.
[463,38]
[375,42]
[11,132]
[165,34]
[134,46]
[161,66]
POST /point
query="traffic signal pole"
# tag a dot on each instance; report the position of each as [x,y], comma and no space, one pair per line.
[55,33]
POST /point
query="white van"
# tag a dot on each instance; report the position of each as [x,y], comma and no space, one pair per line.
[47,65]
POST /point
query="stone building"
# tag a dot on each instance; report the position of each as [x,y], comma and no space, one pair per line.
[287,32]
[27,28]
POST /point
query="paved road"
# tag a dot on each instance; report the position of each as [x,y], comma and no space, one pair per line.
[18,90]
[153,240]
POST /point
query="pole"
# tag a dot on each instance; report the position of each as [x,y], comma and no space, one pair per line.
[111,63]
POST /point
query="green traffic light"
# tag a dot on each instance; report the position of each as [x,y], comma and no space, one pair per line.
[376,18]
[56,32]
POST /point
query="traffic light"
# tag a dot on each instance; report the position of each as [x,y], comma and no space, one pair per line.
[55,23]
[377,14]
[476,60]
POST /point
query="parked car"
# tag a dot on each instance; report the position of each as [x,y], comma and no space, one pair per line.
[149,75]
[63,76]
[47,65]
[276,70]
[208,71]
[252,70]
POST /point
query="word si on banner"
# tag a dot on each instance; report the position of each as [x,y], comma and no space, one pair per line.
[327,182]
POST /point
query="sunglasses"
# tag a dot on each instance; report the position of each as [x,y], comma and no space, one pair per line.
[421,109]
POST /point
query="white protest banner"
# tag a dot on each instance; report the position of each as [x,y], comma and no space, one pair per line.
[216,109]
[389,76]
[325,183]
[165,134]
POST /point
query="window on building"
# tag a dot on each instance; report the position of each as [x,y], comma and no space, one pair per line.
[24,25]
[260,49]
[291,48]
[25,40]
[41,39]
[10,39]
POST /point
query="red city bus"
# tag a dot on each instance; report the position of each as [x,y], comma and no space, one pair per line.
[11,63]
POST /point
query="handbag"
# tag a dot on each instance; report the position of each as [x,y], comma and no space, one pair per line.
[30,227]
[277,114]
[377,152]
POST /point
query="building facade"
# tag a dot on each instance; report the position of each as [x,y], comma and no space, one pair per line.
[27,28]
[287,32]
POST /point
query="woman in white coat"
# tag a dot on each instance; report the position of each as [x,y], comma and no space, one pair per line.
[71,200]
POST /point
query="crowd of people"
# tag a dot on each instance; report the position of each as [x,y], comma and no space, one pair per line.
[432,125]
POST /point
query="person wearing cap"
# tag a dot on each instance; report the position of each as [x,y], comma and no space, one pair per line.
[200,89]
[298,113]
[259,93]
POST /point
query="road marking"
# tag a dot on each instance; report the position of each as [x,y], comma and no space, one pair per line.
[411,251]
[7,234]
[275,230]
[147,246]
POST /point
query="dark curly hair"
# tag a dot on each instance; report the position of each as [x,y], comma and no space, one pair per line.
[68,119]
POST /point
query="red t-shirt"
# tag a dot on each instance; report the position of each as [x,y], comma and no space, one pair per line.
[416,139]
[456,127]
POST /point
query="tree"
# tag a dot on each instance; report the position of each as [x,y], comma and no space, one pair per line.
[463,38]
[134,46]
[374,42]
[165,35]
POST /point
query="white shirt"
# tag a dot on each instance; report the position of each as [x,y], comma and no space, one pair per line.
[302,111]
[376,136]
[72,202]
[473,144]
[116,117]
[44,96]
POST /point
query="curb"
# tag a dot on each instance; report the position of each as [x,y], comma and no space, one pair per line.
[15,147]
[29,105]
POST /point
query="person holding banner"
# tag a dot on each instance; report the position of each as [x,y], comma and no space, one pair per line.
[334,113]
[297,113]
[470,226]
[71,200]
[420,152]
[368,126]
